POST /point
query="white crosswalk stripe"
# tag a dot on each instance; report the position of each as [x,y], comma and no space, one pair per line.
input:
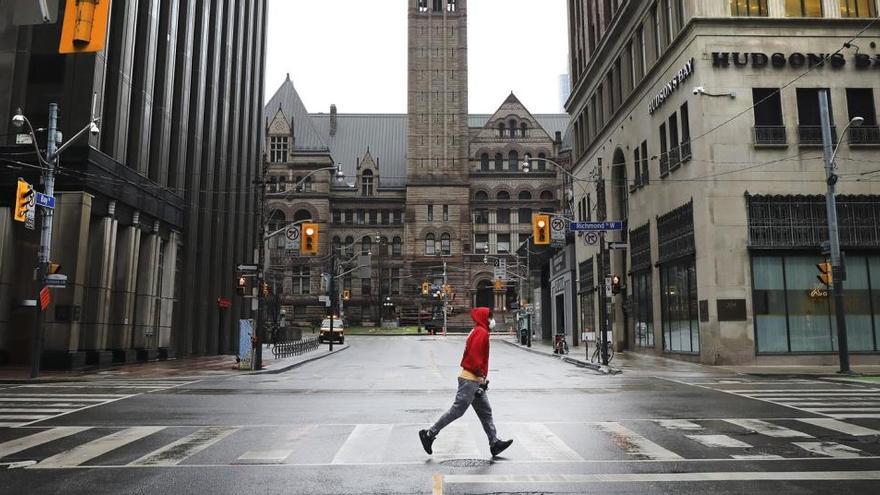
[834,401]
[371,444]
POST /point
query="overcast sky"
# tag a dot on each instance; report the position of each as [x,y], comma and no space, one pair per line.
[353,53]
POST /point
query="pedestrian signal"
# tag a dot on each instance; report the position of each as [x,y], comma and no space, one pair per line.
[85,26]
[825,273]
[24,197]
[309,239]
[242,286]
[615,284]
[541,229]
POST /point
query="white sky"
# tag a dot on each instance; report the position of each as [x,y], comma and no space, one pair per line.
[353,53]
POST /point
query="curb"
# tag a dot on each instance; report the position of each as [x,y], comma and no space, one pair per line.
[288,367]
[605,370]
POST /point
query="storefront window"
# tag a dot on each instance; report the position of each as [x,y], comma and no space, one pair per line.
[643,313]
[793,311]
[678,306]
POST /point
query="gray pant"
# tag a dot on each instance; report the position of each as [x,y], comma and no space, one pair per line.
[467,396]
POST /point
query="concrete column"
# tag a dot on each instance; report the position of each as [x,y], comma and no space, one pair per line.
[7,262]
[124,282]
[145,297]
[70,235]
[96,310]
[169,279]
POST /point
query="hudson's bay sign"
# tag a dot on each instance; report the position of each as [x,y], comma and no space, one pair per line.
[794,60]
[670,87]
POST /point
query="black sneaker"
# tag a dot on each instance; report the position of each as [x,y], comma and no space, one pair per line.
[499,446]
[427,440]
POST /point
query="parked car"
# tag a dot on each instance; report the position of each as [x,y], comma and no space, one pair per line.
[338,331]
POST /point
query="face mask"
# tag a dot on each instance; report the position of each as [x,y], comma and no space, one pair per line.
[492,324]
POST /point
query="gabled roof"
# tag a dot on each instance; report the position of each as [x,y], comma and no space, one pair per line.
[551,122]
[305,136]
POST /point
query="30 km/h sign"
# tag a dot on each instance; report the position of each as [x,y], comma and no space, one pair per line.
[292,234]
[596,226]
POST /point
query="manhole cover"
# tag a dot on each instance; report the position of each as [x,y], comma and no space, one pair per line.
[466,463]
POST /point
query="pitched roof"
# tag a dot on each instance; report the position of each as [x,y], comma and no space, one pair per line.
[551,122]
[305,137]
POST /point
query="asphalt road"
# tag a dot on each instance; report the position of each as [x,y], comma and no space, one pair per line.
[348,424]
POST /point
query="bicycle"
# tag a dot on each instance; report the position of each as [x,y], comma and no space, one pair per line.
[561,346]
[597,354]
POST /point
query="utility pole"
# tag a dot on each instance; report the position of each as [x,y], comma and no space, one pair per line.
[262,246]
[45,238]
[604,272]
[332,295]
[444,297]
[837,269]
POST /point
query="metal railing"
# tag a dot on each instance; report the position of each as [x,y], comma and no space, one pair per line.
[674,158]
[686,150]
[771,135]
[812,134]
[295,348]
[866,134]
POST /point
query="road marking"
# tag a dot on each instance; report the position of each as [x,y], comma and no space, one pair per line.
[264,456]
[30,441]
[438,484]
[176,452]
[366,442]
[723,441]
[678,424]
[48,399]
[855,416]
[826,410]
[835,403]
[768,429]
[66,396]
[635,444]
[830,449]
[96,448]
[455,441]
[34,410]
[23,418]
[456,479]
[840,426]
[543,444]
[802,390]
[758,457]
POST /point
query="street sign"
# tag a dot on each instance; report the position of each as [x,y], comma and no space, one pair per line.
[247,268]
[596,226]
[591,238]
[56,281]
[501,269]
[325,300]
[292,234]
[45,201]
[557,229]
[607,286]
[45,298]
[616,245]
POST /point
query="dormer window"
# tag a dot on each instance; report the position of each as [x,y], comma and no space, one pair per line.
[278,149]
[523,127]
[501,128]
[367,183]
[423,5]
[512,123]
[450,6]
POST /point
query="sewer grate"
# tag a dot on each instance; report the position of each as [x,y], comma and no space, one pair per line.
[466,463]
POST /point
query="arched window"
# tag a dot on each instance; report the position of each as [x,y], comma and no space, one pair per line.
[499,161]
[337,245]
[430,247]
[366,244]
[501,128]
[383,245]
[276,222]
[481,196]
[512,123]
[525,195]
[282,183]
[445,244]
[484,162]
[302,215]
[512,160]
[349,246]
[542,163]
[367,183]
[545,195]
[527,158]
[502,195]
[396,246]
[522,128]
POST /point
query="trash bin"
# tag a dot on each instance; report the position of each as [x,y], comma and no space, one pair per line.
[523,336]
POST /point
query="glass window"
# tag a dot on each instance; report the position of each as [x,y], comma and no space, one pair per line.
[445,244]
[678,306]
[643,309]
[367,183]
[337,216]
[278,149]
[349,246]
[499,161]
[503,245]
[481,216]
[502,196]
[857,8]
[396,246]
[484,162]
[637,167]
[860,103]
[301,280]
[525,215]
[430,213]
[445,213]
[748,7]
[502,216]
[542,162]
[481,243]
[385,217]
[768,106]
[513,160]
[430,245]
[374,217]
[645,175]
[366,244]
[525,195]
[398,217]
[481,196]
[803,8]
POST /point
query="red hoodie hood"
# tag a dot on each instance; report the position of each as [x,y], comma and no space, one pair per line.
[481,317]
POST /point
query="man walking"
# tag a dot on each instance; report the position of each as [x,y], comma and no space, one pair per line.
[472,386]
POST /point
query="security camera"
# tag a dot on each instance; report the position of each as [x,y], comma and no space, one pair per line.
[699,90]
[94,130]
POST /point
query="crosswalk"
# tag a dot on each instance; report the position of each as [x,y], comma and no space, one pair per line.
[834,401]
[22,405]
[648,440]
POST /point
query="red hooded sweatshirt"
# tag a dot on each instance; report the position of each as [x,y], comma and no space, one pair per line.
[476,350]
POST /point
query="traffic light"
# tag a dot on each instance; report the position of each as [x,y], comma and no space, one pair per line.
[24,195]
[499,284]
[265,289]
[309,238]
[615,284]
[346,294]
[541,229]
[53,268]
[85,26]
[825,273]
[242,286]
[426,287]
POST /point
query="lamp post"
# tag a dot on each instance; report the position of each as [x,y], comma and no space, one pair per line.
[49,162]
[837,269]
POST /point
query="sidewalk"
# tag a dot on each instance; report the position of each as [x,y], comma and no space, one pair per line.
[190,367]
[546,348]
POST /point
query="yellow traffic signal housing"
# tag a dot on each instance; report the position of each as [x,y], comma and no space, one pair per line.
[825,273]
[53,268]
[23,196]
[309,239]
[541,229]
[265,289]
[85,26]
[499,284]
[346,294]
[426,287]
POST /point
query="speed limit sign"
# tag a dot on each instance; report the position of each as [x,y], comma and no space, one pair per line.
[292,234]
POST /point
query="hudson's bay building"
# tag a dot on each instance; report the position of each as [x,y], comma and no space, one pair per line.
[430,186]
[153,213]
[701,118]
